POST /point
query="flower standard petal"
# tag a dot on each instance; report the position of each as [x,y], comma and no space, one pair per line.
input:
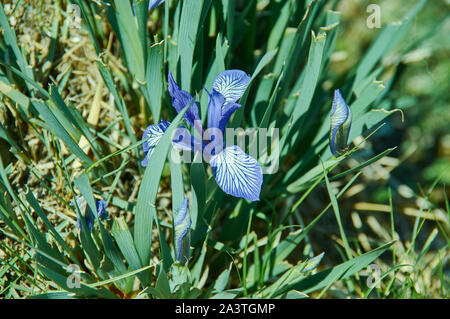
[227,110]
[237,173]
[180,99]
[153,133]
[231,84]
[182,224]
[219,112]
[216,101]
[340,123]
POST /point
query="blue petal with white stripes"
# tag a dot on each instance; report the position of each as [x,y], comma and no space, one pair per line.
[154,3]
[154,133]
[182,225]
[340,123]
[237,173]
[231,84]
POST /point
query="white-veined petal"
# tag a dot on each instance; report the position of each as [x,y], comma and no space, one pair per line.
[340,123]
[154,132]
[237,173]
[182,225]
[231,84]
[154,3]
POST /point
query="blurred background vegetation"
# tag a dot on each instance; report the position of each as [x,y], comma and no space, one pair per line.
[421,134]
[422,90]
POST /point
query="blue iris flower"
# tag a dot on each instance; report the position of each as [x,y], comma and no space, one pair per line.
[237,173]
[340,124]
[87,212]
[182,225]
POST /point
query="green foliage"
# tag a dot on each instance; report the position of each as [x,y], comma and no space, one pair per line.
[239,248]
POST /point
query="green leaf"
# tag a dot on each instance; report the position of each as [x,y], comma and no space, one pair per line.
[277,30]
[110,249]
[222,281]
[125,242]
[155,80]
[9,36]
[176,177]
[198,191]
[331,275]
[129,35]
[58,130]
[145,203]
[337,213]
[388,38]
[54,295]
[83,291]
[37,208]
[307,89]
[16,96]
[162,284]
[187,37]
[121,277]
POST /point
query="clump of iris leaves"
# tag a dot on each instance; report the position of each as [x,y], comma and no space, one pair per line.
[225,64]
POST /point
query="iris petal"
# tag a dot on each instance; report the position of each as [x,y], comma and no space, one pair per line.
[216,101]
[184,140]
[180,99]
[219,112]
[182,224]
[227,110]
[101,209]
[340,123]
[237,173]
[231,84]
[154,4]
[154,132]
